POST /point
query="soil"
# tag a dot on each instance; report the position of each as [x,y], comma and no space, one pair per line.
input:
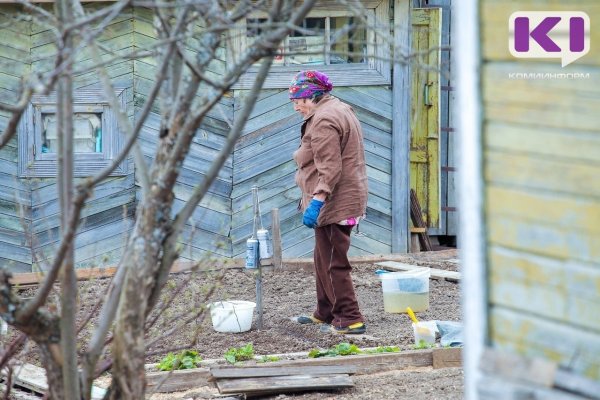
[288,293]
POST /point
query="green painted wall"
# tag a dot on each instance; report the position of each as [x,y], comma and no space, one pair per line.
[541,148]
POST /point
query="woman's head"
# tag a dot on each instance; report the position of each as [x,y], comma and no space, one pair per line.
[309,84]
[307,88]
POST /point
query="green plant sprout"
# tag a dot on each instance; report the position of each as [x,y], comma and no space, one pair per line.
[383,349]
[342,349]
[236,354]
[423,345]
[265,359]
[187,359]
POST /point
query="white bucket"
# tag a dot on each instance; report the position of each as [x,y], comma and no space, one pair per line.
[232,316]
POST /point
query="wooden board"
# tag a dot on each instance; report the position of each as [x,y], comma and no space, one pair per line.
[34,378]
[435,273]
[283,384]
[174,381]
[447,358]
[256,372]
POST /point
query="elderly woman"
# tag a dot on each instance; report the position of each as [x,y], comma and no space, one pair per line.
[333,179]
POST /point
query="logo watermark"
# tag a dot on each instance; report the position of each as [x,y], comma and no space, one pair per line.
[549,34]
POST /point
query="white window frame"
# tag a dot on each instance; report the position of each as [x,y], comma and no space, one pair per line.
[34,163]
[376,71]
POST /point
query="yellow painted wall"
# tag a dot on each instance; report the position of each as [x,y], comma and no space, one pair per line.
[541,155]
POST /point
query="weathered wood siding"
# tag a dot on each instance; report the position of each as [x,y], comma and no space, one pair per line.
[542,208]
[15,195]
[30,207]
[448,211]
[208,230]
[107,216]
[263,157]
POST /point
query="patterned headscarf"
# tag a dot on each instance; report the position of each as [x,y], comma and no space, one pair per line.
[309,84]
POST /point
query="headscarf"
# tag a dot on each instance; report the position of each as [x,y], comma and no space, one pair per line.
[309,84]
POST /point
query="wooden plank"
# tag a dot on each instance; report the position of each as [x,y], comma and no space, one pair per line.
[537,336]
[435,273]
[493,388]
[276,238]
[283,384]
[447,358]
[564,211]
[515,367]
[34,378]
[576,178]
[401,132]
[544,239]
[82,274]
[554,142]
[368,363]
[537,371]
[577,384]
[541,103]
[174,381]
[255,372]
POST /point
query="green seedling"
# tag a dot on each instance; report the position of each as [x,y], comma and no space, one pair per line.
[236,354]
[423,345]
[383,349]
[342,349]
[265,359]
[187,359]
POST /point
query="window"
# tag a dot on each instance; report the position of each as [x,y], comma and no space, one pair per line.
[96,137]
[333,40]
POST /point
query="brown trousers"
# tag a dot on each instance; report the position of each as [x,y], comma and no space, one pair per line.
[336,300]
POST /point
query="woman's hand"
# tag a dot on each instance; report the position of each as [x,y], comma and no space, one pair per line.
[311,214]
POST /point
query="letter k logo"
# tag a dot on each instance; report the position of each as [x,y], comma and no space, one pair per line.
[539,34]
[549,34]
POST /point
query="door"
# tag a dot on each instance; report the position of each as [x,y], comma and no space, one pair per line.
[425,112]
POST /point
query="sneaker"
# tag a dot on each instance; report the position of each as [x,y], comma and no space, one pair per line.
[353,329]
[308,319]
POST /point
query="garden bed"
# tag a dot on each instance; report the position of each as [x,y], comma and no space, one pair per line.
[289,292]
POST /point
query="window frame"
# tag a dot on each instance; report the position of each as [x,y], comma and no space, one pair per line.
[33,163]
[377,70]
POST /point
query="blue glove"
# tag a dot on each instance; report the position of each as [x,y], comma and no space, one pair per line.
[311,214]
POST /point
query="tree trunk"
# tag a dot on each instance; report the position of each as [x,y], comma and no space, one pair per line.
[141,261]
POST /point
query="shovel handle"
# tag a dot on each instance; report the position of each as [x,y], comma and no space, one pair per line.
[412,316]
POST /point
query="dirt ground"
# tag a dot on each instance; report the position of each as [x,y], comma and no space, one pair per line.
[291,292]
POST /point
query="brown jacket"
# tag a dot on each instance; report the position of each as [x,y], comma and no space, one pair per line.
[331,160]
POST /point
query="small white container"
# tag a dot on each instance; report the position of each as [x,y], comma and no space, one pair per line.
[264,244]
[232,316]
[424,332]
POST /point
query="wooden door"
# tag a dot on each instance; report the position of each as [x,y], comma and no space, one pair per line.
[425,112]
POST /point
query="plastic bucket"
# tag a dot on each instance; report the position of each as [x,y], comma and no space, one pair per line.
[232,316]
[405,289]
[424,332]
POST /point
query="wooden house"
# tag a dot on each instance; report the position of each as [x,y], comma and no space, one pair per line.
[530,199]
[403,108]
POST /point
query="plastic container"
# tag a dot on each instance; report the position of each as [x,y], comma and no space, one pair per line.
[424,332]
[232,316]
[264,244]
[406,289]
[252,253]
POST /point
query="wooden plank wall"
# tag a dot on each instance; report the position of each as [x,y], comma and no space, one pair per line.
[223,221]
[541,147]
[263,157]
[208,231]
[107,216]
[15,195]
[448,214]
